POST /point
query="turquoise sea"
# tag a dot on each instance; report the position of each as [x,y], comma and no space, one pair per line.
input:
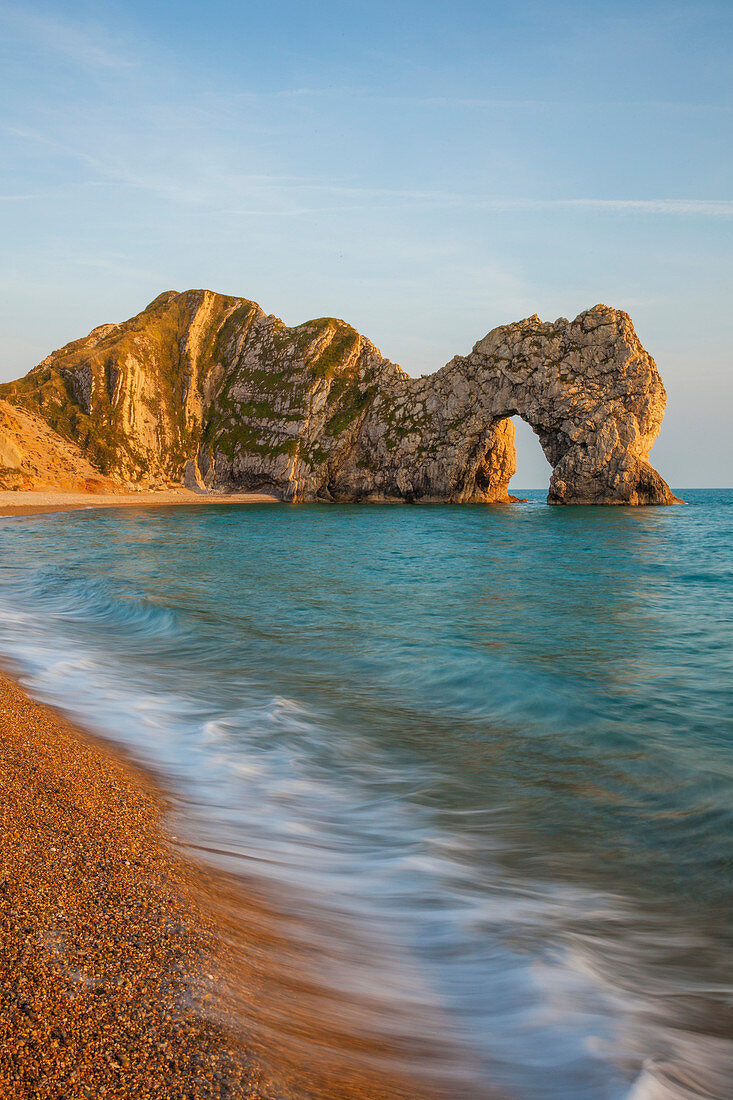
[493,745]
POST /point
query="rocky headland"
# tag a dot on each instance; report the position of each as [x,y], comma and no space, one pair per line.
[209,391]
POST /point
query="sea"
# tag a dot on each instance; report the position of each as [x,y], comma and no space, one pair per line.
[490,746]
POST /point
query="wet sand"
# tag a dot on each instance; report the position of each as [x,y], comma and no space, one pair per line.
[25,502]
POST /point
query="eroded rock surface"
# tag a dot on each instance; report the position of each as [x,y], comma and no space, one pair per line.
[210,390]
[33,456]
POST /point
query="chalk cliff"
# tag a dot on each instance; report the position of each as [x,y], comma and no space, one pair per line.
[209,389]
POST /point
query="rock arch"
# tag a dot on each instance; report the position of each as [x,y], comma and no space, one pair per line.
[210,389]
[587,388]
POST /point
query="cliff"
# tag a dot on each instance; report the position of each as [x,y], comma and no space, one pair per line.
[209,389]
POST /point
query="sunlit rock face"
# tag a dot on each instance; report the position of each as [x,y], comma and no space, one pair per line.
[210,390]
[587,388]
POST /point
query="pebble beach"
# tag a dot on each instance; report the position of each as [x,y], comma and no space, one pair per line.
[108,967]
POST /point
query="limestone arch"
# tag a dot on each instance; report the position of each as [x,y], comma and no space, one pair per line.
[588,390]
[492,462]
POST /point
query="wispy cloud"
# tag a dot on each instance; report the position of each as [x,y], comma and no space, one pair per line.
[715,208]
[200,170]
[477,103]
[86,46]
[282,196]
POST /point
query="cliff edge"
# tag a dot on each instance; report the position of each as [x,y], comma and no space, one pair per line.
[210,390]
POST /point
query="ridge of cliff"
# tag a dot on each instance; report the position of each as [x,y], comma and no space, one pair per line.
[208,389]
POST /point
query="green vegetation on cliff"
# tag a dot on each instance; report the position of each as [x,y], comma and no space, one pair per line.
[208,386]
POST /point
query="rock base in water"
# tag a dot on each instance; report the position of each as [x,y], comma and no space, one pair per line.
[208,390]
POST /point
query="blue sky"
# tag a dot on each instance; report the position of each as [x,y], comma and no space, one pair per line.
[426,171]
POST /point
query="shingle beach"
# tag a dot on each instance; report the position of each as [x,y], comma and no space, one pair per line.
[108,969]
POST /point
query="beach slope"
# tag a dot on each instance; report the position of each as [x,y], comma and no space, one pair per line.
[108,968]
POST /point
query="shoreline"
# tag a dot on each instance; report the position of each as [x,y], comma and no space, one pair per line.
[110,966]
[131,967]
[28,502]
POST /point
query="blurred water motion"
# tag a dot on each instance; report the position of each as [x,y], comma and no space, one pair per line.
[481,758]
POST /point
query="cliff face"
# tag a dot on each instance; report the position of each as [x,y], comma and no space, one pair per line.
[208,388]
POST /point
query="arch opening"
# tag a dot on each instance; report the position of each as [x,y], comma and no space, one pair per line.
[533,470]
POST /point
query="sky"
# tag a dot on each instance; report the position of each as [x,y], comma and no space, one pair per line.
[425,171]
